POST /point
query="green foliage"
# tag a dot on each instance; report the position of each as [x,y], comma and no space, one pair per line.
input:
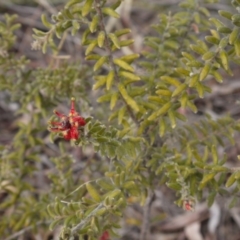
[148,142]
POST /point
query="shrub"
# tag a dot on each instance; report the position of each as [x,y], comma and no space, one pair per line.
[138,128]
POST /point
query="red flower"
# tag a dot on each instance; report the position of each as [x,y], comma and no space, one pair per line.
[188,205]
[68,125]
[105,236]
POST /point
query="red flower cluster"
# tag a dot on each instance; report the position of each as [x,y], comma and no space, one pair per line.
[105,236]
[68,125]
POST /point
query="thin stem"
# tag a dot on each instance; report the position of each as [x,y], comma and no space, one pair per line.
[24,230]
[110,55]
[146,216]
[86,220]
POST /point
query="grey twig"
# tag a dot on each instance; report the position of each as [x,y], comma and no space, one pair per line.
[21,232]
[86,220]
[146,215]
[47,6]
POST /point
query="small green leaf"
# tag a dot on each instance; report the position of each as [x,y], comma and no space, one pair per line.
[200,88]
[204,11]
[216,22]
[75,27]
[126,42]
[236,19]
[44,47]
[105,184]
[215,33]
[188,56]
[116,4]
[113,101]
[39,33]
[100,82]
[162,127]
[114,193]
[45,22]
[204,72]
[183,71]
[99,63]
[237,47]
[68,220]
[174,186]
[197,17]
[109,81]
[172,118]
[110,12]
[164,92]
[208,55]
[183,100]
[66,24]
[214,154]
[225,14]
[57,209]
[179,89]
[192,106]
[94,24]
[104,98]
[171,44]
[122,31]
[224,42]
[212,40]
[90,47]
[66,13]
[72,2]
[129,185]
[234,35]
[127,98]
[196,64]
[101,38]
[231,180]
[50,212]
[224,59]
[193,80]
[54,223]
[101,211]
[84,36]
[170,80]
[198,49]
[130,58]
[123,65]
[87,7]
[115,40]
[121,115]
[206,178]
[163,110]
[129,75]
[224,30]
[93,192]
[217,76]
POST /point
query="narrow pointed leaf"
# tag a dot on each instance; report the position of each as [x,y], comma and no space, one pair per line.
[127,98]
[123,65]
[101,38]
[110,12]
[204,72]
[87,7]
[109,80]
[99,63]
[93,192]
